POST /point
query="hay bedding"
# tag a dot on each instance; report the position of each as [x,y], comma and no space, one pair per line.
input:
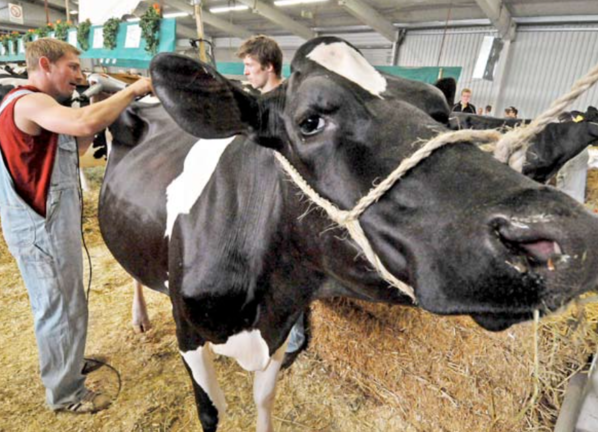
[370,367]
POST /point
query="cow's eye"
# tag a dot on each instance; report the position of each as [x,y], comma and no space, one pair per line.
[312,125]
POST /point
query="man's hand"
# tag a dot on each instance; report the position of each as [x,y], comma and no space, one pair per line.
[141,87]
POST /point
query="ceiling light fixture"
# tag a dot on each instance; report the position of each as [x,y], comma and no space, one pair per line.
[296,2]
[223,9]
[176,14]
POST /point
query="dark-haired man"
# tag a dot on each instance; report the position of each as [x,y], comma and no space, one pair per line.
[262,60]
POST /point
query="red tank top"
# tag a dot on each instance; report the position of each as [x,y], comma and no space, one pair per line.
[29,159]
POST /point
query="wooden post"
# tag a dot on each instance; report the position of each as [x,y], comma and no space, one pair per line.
[200,33]
[68,11]
[47,12]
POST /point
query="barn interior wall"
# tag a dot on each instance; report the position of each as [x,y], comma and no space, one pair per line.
[544,60]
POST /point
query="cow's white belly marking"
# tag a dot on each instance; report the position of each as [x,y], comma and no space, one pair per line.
[185,190]
[344,60]
[248,348]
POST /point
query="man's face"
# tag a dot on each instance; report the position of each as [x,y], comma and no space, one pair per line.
[465,98]
[256,74]
[65,74]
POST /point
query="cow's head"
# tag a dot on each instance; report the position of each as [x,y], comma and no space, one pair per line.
[468,233]
[552,148]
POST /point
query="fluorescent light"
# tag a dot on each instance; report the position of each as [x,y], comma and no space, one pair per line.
[223,9]
[175,14]
[296,2]
[74,12]
[133,19]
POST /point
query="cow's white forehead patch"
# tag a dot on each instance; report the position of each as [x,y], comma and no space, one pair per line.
[185,190]
[342,59]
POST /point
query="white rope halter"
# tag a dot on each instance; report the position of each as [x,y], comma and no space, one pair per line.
[510,147]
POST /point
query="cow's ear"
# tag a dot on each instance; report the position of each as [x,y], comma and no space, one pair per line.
[448,87]
[200,100]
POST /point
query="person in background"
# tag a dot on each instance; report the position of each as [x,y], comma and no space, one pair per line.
[262,60]
[463,105]
[488,110]
[511,112]
[40,209]
[480,111]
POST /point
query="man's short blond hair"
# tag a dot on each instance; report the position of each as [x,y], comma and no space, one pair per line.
[466,90]
[53,49]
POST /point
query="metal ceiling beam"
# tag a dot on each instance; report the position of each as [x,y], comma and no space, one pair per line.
[279,18]
[212,20]
[496,11]
[183,31]
[370,16]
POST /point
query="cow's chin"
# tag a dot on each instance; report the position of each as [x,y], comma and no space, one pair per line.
[498,322]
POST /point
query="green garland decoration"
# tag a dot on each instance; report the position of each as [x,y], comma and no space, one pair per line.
[43,31]
[5,40]
[110,31]
[61,29]
[150,25]
[28,36]
[83,34]
[14,40]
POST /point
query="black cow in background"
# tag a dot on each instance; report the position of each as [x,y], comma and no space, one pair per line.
[216,224]
[552,148]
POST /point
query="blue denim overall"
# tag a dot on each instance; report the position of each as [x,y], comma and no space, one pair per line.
[48,253]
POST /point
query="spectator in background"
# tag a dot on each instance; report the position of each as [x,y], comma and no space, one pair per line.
[463,105]
[511,112]
[488,110]
[480,111]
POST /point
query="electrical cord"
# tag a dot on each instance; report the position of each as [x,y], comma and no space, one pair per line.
[82,204]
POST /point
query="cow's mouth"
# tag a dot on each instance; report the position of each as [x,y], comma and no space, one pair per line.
[537,257]
[530,249]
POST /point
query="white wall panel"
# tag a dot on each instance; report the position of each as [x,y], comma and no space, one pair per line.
[460,48]
[545,62]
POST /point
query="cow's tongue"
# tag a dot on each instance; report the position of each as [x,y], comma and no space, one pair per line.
[541,250]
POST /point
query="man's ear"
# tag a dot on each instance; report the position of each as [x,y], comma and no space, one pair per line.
[203,102]
[44,64]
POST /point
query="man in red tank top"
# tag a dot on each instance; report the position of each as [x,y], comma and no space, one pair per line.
[40,209]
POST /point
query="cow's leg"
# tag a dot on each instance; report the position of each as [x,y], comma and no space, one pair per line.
[141,322]
[211,405]
[264,389]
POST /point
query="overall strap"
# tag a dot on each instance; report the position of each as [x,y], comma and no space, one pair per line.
[12,96]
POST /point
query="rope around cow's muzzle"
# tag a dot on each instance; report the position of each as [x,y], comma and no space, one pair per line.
[510,147]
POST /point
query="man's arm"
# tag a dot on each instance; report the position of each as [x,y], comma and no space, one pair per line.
[39,110]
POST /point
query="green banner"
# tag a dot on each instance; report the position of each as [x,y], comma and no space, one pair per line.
[130,46]
[425,74]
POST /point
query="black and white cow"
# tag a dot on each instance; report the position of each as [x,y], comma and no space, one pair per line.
[551,149]
[217,224]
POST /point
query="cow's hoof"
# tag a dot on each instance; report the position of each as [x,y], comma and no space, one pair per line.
[142,327]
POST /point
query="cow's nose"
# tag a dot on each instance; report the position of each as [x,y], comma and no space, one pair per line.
[527,237]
